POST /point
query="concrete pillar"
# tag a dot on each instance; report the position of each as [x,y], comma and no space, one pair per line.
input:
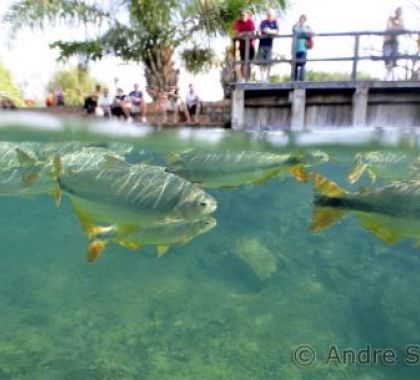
[238,108]
[360,104]
[298,110]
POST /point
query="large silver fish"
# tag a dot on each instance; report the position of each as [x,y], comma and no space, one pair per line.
[232,169]
[127,195]
[162,236]
[392,213]
[384,165]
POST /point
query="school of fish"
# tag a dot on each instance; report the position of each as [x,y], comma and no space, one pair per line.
[142,204]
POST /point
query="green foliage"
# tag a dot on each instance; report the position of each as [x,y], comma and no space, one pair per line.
[198,59]
[8,87]
[76,83]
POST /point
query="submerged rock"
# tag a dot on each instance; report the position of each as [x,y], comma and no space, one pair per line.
[257,257]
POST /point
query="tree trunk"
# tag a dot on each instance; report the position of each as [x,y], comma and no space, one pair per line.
[228,74]
[160,72]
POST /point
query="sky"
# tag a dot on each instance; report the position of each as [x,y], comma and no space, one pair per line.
[32,63]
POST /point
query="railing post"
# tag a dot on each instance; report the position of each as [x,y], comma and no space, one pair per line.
[294,47]
[355,57]
[235,62]
[247,68]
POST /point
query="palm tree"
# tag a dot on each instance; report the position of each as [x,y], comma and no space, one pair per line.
[145,31]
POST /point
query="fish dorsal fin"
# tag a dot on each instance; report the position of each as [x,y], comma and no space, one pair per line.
[24,158]
[162,249]
[299,172]
[382,231]
[325,187]
[356,173]
[95,249]
[28,179]
[324,217]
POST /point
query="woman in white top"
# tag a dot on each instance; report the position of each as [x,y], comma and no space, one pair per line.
[193,107]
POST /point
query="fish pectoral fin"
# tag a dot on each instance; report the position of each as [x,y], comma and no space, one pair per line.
[85,220]
[299,172]
[28,179]
[173,156]
[325,187]
[95,249]
[162,249]
[57,196]
[356,173]
[324,217]
[24,158]
[376,226]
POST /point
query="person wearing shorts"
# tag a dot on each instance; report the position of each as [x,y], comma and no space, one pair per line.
[245,26]
[390,48]
[138,105]
[268,27]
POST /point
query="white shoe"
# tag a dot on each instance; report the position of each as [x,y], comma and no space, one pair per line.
[130,120]
[143,120]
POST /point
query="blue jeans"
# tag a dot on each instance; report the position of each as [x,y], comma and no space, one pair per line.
[300,66]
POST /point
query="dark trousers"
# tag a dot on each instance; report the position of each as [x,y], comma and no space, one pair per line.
[299,73]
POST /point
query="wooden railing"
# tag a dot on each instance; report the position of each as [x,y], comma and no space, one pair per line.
[355,58]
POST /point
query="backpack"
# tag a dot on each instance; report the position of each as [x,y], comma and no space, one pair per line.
[309,43]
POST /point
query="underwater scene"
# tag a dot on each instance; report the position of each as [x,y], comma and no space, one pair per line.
[211,254]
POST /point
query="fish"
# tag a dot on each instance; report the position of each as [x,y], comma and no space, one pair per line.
[233,169]
[383,165]
[391,213]
[131,195]
[162,236]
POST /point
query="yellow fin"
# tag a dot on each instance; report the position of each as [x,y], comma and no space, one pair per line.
[324,217]
[96,247]
[323,186]
[24,158]
[264,179]
[85,220]
[356,173]
[58,167]
[28,179]
[299,172]
[162,249]
[382,231]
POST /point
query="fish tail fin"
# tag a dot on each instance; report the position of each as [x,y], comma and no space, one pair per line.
[324,217]
[58,168]
[95,249]
[299,172]
[24,158]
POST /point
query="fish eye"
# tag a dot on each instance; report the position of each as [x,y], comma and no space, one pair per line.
[204,204]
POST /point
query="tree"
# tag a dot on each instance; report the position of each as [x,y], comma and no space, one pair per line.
[8,88]
[146,31]
[76,83]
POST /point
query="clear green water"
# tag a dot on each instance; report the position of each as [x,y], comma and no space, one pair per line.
[203,311]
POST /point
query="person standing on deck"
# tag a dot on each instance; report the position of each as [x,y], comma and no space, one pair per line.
[268,27]
[138,104]
[304,34]
[192,105]
[245,26]
[390,48]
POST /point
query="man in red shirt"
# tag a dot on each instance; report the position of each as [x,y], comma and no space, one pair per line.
[245,26]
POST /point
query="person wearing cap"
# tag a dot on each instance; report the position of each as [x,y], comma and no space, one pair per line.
[245,26]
